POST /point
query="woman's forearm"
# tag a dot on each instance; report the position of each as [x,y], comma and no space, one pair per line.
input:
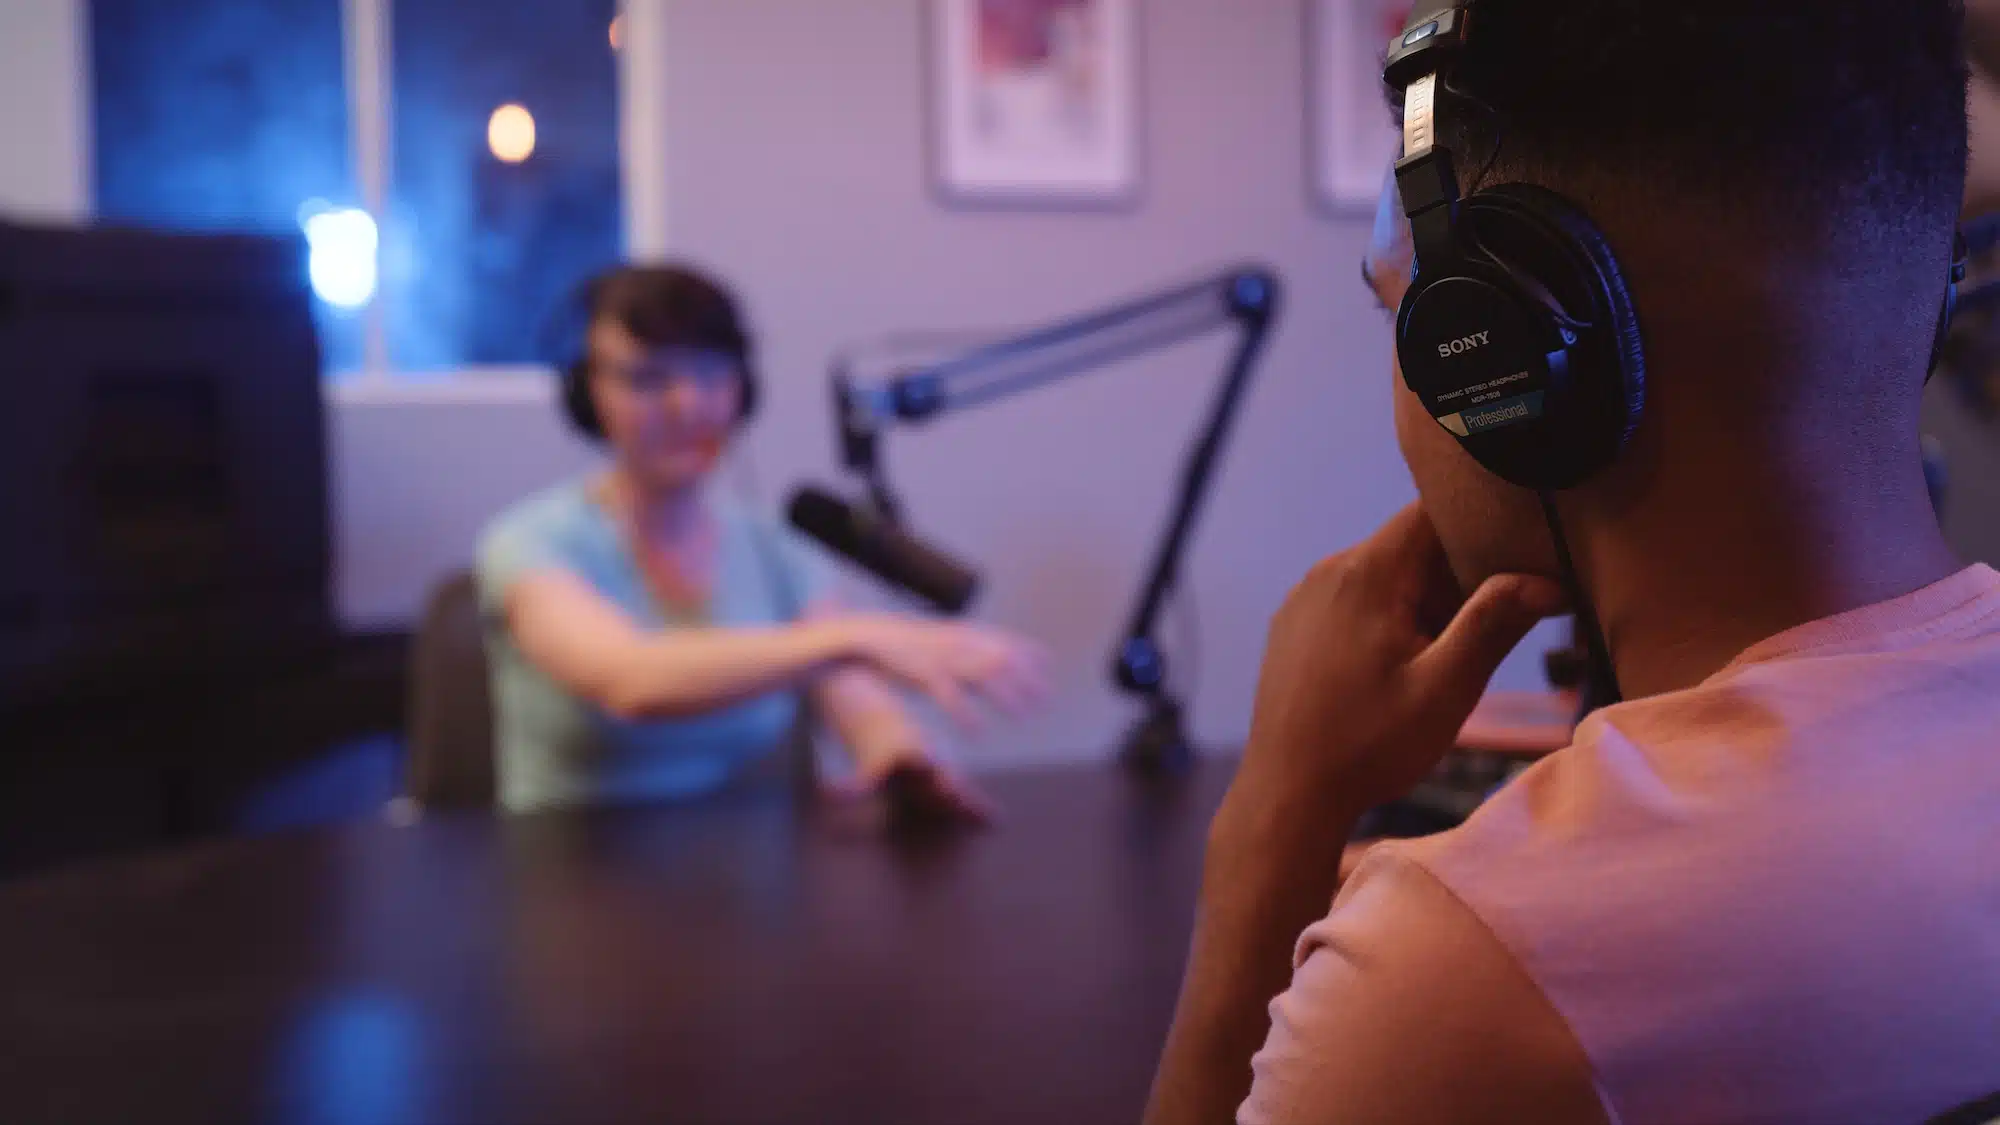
[600,655]
[868,717]
[698,671]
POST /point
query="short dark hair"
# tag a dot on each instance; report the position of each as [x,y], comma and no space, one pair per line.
[670,306]
[662,306]
[1814,109]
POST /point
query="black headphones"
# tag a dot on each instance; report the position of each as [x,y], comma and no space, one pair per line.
[1517,333]
[575,399]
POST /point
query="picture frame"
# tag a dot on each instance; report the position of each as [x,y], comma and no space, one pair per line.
[1353,140]
[1035,103]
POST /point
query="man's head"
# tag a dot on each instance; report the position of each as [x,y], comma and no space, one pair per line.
[1780,180]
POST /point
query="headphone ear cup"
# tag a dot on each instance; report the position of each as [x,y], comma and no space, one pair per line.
[577,405]
[1607,303]
[1553,265]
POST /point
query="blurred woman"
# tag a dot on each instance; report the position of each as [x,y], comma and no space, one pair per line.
[653,641]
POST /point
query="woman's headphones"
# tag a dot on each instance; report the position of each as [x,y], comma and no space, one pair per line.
[1517,333]
[586,303]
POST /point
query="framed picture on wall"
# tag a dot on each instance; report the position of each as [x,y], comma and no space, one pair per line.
[1035,102]
[1353,139]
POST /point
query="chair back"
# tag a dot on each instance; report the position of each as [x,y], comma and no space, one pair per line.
[451,744]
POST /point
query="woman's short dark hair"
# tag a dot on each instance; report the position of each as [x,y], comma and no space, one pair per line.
[663,306]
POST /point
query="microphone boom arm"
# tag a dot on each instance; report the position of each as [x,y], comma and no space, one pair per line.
[1245,298]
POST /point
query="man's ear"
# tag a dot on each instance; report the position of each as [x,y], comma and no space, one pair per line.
[1982,181]
[1982,36]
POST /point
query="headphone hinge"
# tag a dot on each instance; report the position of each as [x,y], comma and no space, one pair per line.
[1428,184]
[1426,47]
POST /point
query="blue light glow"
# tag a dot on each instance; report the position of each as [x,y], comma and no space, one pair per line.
[354,1057]
[342,265]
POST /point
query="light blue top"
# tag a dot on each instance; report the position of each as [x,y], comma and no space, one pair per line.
[557,750]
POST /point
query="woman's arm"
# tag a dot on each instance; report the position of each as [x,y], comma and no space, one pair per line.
[887,745]
[592,648]
[869,719]
[889,752]
[865,712]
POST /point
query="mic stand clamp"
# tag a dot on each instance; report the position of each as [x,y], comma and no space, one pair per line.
[861,444]
[1157,745]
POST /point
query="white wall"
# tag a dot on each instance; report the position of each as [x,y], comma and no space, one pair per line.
[419,469]
[44,110]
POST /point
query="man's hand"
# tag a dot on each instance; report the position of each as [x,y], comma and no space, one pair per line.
[1372,666]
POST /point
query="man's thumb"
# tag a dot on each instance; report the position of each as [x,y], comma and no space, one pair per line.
[1460,664]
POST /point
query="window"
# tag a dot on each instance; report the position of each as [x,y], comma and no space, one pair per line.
[504,215]
[223,115]
[454,166]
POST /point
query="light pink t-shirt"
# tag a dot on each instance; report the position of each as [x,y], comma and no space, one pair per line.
[1771,898]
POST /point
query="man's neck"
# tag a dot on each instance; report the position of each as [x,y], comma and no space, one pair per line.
[1689,580]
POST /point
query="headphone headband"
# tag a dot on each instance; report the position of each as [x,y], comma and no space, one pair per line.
[1425,176]
[1431,39]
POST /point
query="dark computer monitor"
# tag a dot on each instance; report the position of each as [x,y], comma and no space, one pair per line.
[163,499]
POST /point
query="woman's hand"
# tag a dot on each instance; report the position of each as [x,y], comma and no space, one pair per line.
[952,663]
[921,792]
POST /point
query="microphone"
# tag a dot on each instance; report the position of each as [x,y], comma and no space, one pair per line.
[856,533]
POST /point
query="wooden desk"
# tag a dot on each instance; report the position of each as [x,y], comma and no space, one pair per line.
[733,963]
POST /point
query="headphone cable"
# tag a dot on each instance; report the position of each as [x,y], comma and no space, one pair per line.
[1601,686]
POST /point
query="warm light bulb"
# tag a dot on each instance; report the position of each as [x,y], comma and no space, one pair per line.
[510,133]
[618,32]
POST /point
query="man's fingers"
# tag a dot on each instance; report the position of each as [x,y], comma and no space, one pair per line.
[1408,542]
[1456,669]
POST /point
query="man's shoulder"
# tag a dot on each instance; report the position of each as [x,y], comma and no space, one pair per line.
[1695,865]
[1640,786]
